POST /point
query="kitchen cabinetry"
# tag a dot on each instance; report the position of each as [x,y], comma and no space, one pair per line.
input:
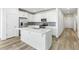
[51,16]
[27,15]
[23,14]
[30,17]
[40,39]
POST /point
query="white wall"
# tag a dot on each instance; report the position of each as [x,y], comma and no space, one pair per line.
[78,26]
[69,21]
[0,22]
[75,23]
[78,23]
[9,23]
[3,24]
[60,23]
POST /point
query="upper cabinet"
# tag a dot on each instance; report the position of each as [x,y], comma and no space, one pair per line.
[23,14]
[51,16]
[27,15]
[30,17]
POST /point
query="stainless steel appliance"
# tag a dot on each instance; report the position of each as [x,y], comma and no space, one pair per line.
[43,23]
[22,23]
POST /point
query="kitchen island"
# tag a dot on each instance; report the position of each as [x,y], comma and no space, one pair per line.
[38,38]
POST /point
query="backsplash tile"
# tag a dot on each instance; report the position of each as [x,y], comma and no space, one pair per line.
[39,23]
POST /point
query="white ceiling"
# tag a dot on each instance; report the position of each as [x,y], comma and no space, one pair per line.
[65,11]
[69,11]
[34,10]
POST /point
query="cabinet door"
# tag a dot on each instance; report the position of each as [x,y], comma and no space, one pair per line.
[23,14]
[12,24]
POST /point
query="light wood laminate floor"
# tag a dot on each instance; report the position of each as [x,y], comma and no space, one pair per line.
[14,44]
[67,41]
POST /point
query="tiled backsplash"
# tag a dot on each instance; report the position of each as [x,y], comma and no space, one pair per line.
[38,23]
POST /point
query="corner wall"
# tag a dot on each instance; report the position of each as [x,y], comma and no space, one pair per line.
[60,24]
[78,23]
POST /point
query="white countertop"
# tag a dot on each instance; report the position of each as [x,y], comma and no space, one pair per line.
[32,26]
[37,30]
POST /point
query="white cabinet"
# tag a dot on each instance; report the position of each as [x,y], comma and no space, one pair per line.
[27,15]
[30,17]
[40,39]
[37,18]
[23,14]
[53,30]
[51,16]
